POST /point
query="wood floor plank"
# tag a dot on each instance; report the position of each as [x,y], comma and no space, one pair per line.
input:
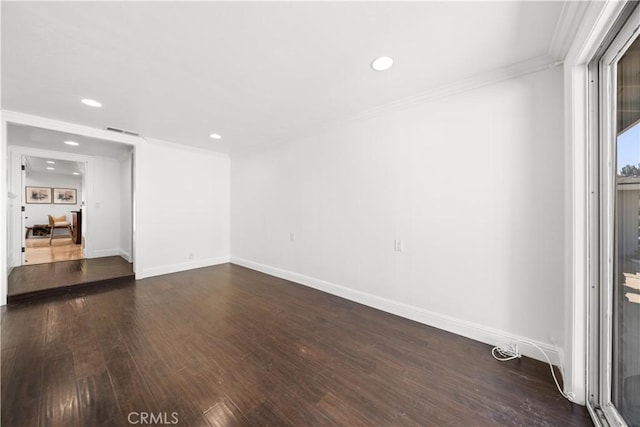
[28,279]
[60,396]
[22,385]
[132,392]
[97,402]
[225,345]
[8,358]
[41,250]
[225,414]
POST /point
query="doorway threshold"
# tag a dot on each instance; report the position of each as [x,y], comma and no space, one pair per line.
[35,281]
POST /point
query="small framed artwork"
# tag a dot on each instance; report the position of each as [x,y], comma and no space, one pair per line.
[65,196]
[39,195]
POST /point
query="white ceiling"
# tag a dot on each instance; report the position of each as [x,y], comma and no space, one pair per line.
[46,139]
[254,72]
[60,167]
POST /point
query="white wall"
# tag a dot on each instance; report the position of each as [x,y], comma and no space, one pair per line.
[473,186]
[126,216]
[15,232]
[38,213]
[182,208]
[181,200]
[104,210]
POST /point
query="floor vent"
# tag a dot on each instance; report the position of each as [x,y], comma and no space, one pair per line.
[122,131]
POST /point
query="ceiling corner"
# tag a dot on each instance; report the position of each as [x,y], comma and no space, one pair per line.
[566,28]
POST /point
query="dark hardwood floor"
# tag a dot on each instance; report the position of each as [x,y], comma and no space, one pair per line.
[226,345]
[43,279]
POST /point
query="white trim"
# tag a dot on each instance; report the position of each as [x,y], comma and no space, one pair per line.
[472,82]
[135,206]
[598,19]
[457,326]
[124,255]
[183,266]
[15,232]
[607,220]
[45,123]
[568,23]
[17,152]
[101,253]
[4,241]
[464,85]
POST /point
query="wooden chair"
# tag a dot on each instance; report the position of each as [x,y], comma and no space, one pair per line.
[59,222]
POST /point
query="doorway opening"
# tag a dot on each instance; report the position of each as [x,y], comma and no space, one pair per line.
[52,215]
[71,219]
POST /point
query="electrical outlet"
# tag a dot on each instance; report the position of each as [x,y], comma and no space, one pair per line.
[292,237]
[190,255]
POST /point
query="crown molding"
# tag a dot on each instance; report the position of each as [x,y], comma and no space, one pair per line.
[464,85]
[571,15]
[476,81]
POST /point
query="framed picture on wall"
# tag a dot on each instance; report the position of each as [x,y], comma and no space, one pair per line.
[64,196]
[40,195]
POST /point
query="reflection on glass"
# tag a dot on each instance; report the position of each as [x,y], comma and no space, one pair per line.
[625,388]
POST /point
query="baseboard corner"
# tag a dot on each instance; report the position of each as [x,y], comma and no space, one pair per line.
[472,330]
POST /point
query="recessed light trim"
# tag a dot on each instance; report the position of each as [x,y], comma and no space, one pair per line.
[51,162]
[215,136]
[49,168]
[382,63]
[91,103]
[73,143]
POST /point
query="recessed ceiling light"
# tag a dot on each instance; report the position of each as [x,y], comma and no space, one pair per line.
[51,169]
[91,102]
[382,64]
[215,136]
[76,173]
[51,162]
[71,143]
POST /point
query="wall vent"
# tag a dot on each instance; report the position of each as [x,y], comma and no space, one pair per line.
[122,131]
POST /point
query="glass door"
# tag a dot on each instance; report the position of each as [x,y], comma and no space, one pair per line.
[618,394]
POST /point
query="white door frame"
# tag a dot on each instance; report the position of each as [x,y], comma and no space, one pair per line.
[13,117]
[16,154]
[601,314]
[599,18]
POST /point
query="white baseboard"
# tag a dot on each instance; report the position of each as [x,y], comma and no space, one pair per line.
[457,326]
[15,261]
[174,268]
[124,255]
[101,253]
